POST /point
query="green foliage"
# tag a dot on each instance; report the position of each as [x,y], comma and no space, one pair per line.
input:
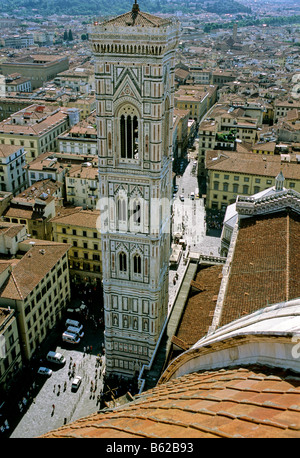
[115,7]
[278,20]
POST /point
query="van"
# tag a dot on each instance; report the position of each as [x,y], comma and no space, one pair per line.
[55,357]
[76,331]
[74,323]
[70,337]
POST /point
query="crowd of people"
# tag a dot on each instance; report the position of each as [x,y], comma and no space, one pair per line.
[214,220]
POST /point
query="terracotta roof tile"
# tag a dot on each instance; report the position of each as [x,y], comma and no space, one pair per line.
[30,270]
[265,266]
[231,403]
[196,317]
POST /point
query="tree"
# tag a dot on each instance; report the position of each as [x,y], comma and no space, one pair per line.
[70,38]
[65,35]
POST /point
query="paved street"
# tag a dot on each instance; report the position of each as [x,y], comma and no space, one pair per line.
[41,417]
[189,216]
[38,415]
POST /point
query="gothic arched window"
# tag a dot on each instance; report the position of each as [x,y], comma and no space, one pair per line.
[136,212]
[129,133]
[122,262]
[137,264]
[121,210]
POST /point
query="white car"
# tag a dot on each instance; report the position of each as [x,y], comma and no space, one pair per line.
[182,197]
[45,371]
[76,331]
[76,382]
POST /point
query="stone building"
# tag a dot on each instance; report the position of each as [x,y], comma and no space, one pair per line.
[37,286]
[10,350]
[78,228]
[36,128]
[134,65]
[39,67]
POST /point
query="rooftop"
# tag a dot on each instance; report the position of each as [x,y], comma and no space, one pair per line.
[34,120]
[264,268]
[251,164]
[242,403]
[78,217]
[32,268]
[200,305]
[8,150]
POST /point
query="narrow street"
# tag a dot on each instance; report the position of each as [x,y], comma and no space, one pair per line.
[189,215]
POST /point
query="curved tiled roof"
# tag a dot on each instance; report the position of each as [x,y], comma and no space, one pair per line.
[243,402]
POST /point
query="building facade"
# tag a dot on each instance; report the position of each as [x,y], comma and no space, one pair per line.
[82,187]
[10,351]
[39,68]
[80,139]
[36,128]
[12,175]
[230,174]
[78,228]
[37,287]
[134,69]
[16,83]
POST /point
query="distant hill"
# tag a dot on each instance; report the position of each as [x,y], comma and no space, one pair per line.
[115,7]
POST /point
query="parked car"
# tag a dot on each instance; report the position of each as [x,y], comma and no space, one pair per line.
[70,337]
[182,197]
[55,357]
[76,382]
[45,371]
[74,323]
[76,331]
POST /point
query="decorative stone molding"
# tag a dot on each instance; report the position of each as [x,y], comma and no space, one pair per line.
[278,201]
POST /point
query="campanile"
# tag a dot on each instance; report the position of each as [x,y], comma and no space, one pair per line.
[134,72]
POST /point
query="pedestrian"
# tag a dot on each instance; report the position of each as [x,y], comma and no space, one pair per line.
[54,389]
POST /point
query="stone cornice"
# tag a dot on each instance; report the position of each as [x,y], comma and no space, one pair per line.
[250,206]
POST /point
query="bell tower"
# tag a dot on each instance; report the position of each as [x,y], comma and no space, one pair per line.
[134,71]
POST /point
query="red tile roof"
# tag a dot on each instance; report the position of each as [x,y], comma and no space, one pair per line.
[246,403]
[198,312]
[265,266]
